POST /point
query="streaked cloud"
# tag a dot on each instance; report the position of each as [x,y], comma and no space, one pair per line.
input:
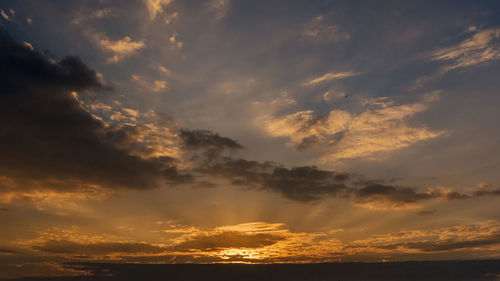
[482,47]
[102,248]
[319,30]
[266,242]
[87,15]
[330,76]
[479,236]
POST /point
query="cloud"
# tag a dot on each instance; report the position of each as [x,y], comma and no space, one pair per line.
[262,242]
[303,184]
[462,237]
[164,70]
[303,127]
[482,47]
[218,7]
[203,139]
[156,7]
[225,240]
[52,142]
[210,145]
[120,49]
[47,137]
[392,196]
[318,30]
[27,44]
[486,190]
[450,245]
[330,76]
[153,85]
[426,212]
[309,184]
[8,16]
[173,39]
[95,249]
[381,127]
[7,251]
[87,15]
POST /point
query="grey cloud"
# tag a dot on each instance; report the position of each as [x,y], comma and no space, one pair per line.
[202,139]
[103,248]
[426,212]
[304,184]
[487,192]
[210,143]
[448,245]
[308,142]
[45,132]
[311,184]
[399,195]
[7,251]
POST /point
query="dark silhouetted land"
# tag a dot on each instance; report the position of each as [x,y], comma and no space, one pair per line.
[402,271]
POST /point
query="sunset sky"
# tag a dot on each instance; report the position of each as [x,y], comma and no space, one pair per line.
[242,131]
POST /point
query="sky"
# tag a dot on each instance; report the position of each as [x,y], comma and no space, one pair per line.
[234,131]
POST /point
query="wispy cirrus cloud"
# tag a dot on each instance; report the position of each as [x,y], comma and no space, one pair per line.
[319,30]
[88,15]
[330,76]
[482,47]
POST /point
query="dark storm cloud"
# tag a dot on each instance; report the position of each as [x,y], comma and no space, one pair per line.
[203,139]
[304,184]
[103,248]
[399,195]
[45,133]
[487,192]
[211,145]
[7,251]
[310,184]
[227,239]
